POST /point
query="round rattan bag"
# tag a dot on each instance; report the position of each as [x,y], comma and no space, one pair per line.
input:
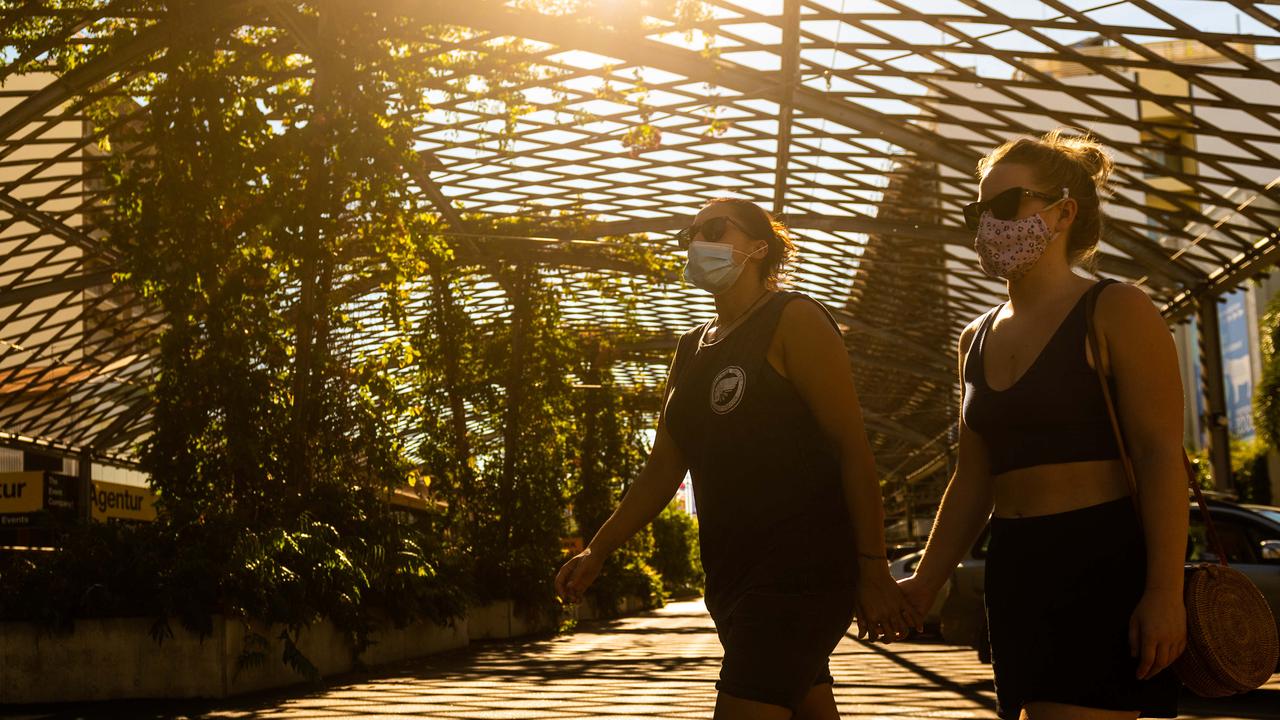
[1231,633]
[1232,644]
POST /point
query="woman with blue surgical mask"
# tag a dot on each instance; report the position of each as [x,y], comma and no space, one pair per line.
[1083,583]
[760,409]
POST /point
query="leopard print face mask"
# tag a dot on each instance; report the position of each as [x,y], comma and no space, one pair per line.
[1009,248]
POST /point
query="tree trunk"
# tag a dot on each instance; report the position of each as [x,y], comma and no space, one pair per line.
[516,287]
[317,198]
[448,315]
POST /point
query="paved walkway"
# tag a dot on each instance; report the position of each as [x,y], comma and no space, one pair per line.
[660,665]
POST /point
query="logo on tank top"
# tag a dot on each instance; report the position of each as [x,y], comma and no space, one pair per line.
[727,389]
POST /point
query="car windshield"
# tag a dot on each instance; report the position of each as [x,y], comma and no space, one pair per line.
[1272,515]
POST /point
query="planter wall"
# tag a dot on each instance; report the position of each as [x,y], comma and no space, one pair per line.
[629,605]
[109,658]
[115,658]
[500,621]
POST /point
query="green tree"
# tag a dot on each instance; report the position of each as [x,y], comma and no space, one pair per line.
[526,477]
[260,200]
[267,200]
[676,554]
[612,453]
[1266,397]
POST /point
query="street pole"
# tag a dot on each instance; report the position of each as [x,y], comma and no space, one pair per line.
[85,487]
[1215,396]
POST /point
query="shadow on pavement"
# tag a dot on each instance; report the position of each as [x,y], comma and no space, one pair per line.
[659,665]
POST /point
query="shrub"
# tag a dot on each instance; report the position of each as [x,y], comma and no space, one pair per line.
[1249,473]
[676,556]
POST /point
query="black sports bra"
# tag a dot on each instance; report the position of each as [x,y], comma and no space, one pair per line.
[1054,413]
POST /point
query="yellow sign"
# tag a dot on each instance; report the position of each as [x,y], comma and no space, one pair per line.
[112,501]
[21,492]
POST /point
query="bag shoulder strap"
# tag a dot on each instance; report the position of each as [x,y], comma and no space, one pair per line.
[1095,351]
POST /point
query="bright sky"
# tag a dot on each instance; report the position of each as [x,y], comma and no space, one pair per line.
[1208,15]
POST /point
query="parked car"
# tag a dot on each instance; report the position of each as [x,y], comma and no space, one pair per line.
[901,550]
[903,568]
[1267,511]
[1250,536]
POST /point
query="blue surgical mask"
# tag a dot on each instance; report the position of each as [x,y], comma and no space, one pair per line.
[711,266]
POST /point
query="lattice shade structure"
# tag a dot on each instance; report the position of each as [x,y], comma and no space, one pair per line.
[860,121]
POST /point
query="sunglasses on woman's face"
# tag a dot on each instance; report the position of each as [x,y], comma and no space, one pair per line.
[1005,206]
[712,230]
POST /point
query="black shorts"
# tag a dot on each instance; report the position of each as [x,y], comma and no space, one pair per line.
[1060,590]
[776,644]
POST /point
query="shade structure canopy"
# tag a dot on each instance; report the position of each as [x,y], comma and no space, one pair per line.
[860,122]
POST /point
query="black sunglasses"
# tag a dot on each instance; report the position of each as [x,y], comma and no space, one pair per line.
[1005,205]
[712,230]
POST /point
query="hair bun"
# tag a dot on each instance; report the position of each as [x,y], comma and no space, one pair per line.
[1085,150]
[1065,158]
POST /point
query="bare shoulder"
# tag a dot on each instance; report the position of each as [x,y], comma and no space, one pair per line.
[803,317]
[1123,307]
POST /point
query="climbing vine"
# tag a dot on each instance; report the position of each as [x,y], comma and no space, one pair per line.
[265,176]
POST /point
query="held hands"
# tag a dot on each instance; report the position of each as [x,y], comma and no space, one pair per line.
[1157,631]
[577,575]
[884,614]
[919,594]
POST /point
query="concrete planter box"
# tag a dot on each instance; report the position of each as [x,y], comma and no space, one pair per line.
[630,605]
[115,658]
[500,620]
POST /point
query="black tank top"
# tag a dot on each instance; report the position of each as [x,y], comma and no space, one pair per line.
[1054,413]
[767,483]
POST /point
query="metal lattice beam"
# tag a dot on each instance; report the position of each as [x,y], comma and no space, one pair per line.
[863,127]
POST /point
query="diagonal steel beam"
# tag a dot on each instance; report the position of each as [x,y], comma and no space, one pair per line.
[211,17]
[476,249]
[1263,257]
[115,432]
[869,225]
[50,224]
[34,291]
[786,110]
[570,32]
[927,232]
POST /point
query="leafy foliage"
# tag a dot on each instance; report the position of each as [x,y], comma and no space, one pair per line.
[188,573]
[1203,468]
[676,554]
[266,197]
[611,456]
[526,463]
[1249,472]
[270,193]
[1266,397]
[508,434]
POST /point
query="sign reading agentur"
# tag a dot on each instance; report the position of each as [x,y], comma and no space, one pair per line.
[23,495]
[122,502]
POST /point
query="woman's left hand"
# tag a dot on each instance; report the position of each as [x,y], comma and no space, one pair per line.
[1157,631]
[883,611]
